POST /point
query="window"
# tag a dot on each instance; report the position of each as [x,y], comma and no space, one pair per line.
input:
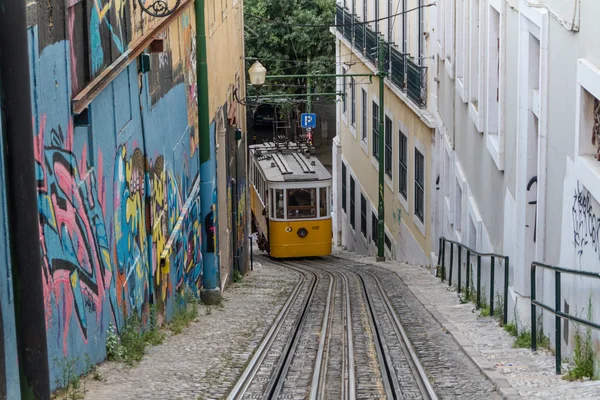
[388,147]
[376,15]
[374,228]
[449,26]
[279,203]
[403,164]
[404,42]
[365,116]
[460,40]
[323,202]
[474,48]
[363,215]
[390,23]
[375,130]
[388,242]
[301,203]
[458,214]
[344,91]
[421,32]
[344,187]
[419,185]
[353,99]
[352,204]
[493,84]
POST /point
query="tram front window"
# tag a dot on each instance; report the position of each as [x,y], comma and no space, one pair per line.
[301,203]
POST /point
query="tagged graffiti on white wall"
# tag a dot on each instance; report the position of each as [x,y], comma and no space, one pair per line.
[586,223]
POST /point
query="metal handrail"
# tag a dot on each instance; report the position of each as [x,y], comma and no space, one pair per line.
[493,256]
[558,313]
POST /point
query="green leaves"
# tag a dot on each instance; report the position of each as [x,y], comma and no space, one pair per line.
[285,49]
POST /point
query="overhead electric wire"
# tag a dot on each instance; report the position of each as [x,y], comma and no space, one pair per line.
[337,25]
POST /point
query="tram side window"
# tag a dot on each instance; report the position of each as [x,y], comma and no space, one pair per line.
[279,204]
[302,203]
[323,202]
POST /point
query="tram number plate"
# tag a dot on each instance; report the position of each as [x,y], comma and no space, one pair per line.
[315,228]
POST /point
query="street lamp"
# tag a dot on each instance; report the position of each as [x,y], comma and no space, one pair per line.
[258,75]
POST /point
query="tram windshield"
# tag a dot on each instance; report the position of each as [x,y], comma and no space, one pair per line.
[301,203]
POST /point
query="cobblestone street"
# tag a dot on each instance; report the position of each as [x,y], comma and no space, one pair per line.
[463,355]
[205,360]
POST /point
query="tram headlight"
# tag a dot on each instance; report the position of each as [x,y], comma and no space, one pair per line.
[302,232]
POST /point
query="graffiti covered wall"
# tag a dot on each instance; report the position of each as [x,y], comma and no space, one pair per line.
[116,194]
[580,250]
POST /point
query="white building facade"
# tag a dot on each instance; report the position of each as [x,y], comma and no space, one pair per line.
[407,28]
[518,123]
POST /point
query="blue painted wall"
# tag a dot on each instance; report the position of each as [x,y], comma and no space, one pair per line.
[120,221]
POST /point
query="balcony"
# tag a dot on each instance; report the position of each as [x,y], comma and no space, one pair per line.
[348,25]
[416,82]
[403,71]
[339,17]
[370,45]
[398,70]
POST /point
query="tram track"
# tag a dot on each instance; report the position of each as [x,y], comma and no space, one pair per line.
[337,336]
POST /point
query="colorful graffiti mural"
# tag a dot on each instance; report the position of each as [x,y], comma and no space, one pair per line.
[76,262]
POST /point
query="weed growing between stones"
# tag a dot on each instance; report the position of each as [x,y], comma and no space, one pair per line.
[237,276]
[72,386]
[470,293]
[499,309]
[186,312]
[511,328]
[583,350]
[523,339]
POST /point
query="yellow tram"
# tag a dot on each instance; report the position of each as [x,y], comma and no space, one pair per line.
[290,201]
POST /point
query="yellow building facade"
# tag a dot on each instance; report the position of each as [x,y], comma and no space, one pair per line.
[409,137]
[226,76]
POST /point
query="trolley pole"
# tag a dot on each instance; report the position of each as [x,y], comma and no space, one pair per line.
[381,73]
[308,89]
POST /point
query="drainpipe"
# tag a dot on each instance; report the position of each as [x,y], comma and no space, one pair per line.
[211,292]
[22,204]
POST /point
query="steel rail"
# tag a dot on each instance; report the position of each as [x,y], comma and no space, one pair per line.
[390,382]
[242,384]
[276,380]
[418,371]
[349,336]
[423,381]
[319,372]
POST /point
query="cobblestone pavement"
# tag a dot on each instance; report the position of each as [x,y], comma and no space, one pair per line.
[516,373]
[206,359]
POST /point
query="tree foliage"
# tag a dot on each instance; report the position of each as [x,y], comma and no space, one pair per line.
[291,50]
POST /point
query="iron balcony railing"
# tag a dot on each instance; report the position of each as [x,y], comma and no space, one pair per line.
[348,25]
[416,82]
[359,36]
[557,310]
[403,71]
[371,45]
[339,18]
[398,69]
[473,253]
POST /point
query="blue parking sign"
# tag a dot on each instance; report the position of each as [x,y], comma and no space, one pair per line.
[308,121]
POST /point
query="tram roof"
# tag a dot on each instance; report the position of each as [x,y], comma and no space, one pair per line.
[291,163]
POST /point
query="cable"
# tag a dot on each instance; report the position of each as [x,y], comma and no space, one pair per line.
[337,25]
